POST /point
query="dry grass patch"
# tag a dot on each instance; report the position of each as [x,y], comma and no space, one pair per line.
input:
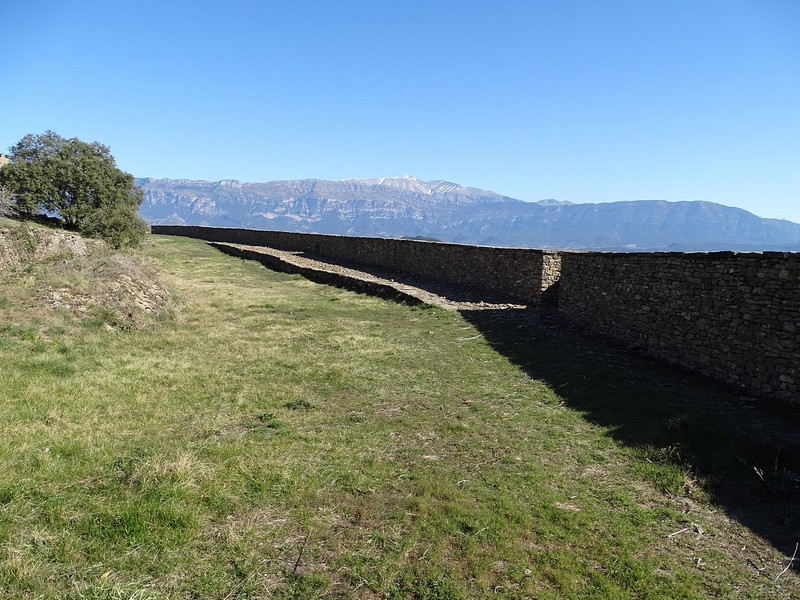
[54,280]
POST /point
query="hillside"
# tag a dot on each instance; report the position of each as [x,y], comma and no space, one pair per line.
[410,207]
[61,280]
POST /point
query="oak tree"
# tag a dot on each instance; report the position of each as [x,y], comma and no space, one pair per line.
[77,181]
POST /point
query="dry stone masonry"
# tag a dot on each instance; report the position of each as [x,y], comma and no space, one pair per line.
[514,273]
[734,317]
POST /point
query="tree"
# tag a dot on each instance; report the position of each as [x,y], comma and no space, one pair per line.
[7,205]
[77,181]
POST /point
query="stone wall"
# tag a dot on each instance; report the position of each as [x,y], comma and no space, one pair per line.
[733,317]
[513,274]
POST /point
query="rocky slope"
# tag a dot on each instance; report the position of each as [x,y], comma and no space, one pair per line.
[65,280]
[410,207]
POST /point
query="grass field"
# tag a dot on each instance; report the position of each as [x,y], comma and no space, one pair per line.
[283,439]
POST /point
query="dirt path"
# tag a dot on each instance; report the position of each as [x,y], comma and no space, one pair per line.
[369,279]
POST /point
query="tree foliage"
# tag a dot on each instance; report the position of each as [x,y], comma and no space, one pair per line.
[77,181]
[7,205]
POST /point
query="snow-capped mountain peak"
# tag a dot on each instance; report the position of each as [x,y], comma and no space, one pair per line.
[407,183]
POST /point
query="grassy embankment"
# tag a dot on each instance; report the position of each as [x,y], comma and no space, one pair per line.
[285,439]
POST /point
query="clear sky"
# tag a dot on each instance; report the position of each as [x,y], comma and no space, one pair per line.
[580,100]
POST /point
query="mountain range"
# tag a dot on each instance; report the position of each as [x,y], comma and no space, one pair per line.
[413,208]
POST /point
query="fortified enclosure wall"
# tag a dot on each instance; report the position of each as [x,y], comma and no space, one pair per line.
[734,317]
[512,274]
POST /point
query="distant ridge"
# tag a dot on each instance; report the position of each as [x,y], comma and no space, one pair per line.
[410,207]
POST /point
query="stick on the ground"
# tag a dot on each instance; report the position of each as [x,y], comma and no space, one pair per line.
[474,337]
[674,533]
[791,560]
[299,556]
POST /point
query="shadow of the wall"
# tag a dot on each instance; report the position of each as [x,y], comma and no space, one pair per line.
[747,451]
[318,276]
[725,439]
[361,283]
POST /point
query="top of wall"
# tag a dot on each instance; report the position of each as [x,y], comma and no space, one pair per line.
[716,255]
[711,255]
[164,228]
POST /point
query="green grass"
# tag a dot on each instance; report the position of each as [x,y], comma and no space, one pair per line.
[290,440]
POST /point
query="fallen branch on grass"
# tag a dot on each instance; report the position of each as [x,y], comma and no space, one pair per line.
[791,561]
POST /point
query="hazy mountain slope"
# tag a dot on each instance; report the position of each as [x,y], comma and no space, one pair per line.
[407,206]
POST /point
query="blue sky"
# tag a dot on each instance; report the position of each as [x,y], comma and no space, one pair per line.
[580,100]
